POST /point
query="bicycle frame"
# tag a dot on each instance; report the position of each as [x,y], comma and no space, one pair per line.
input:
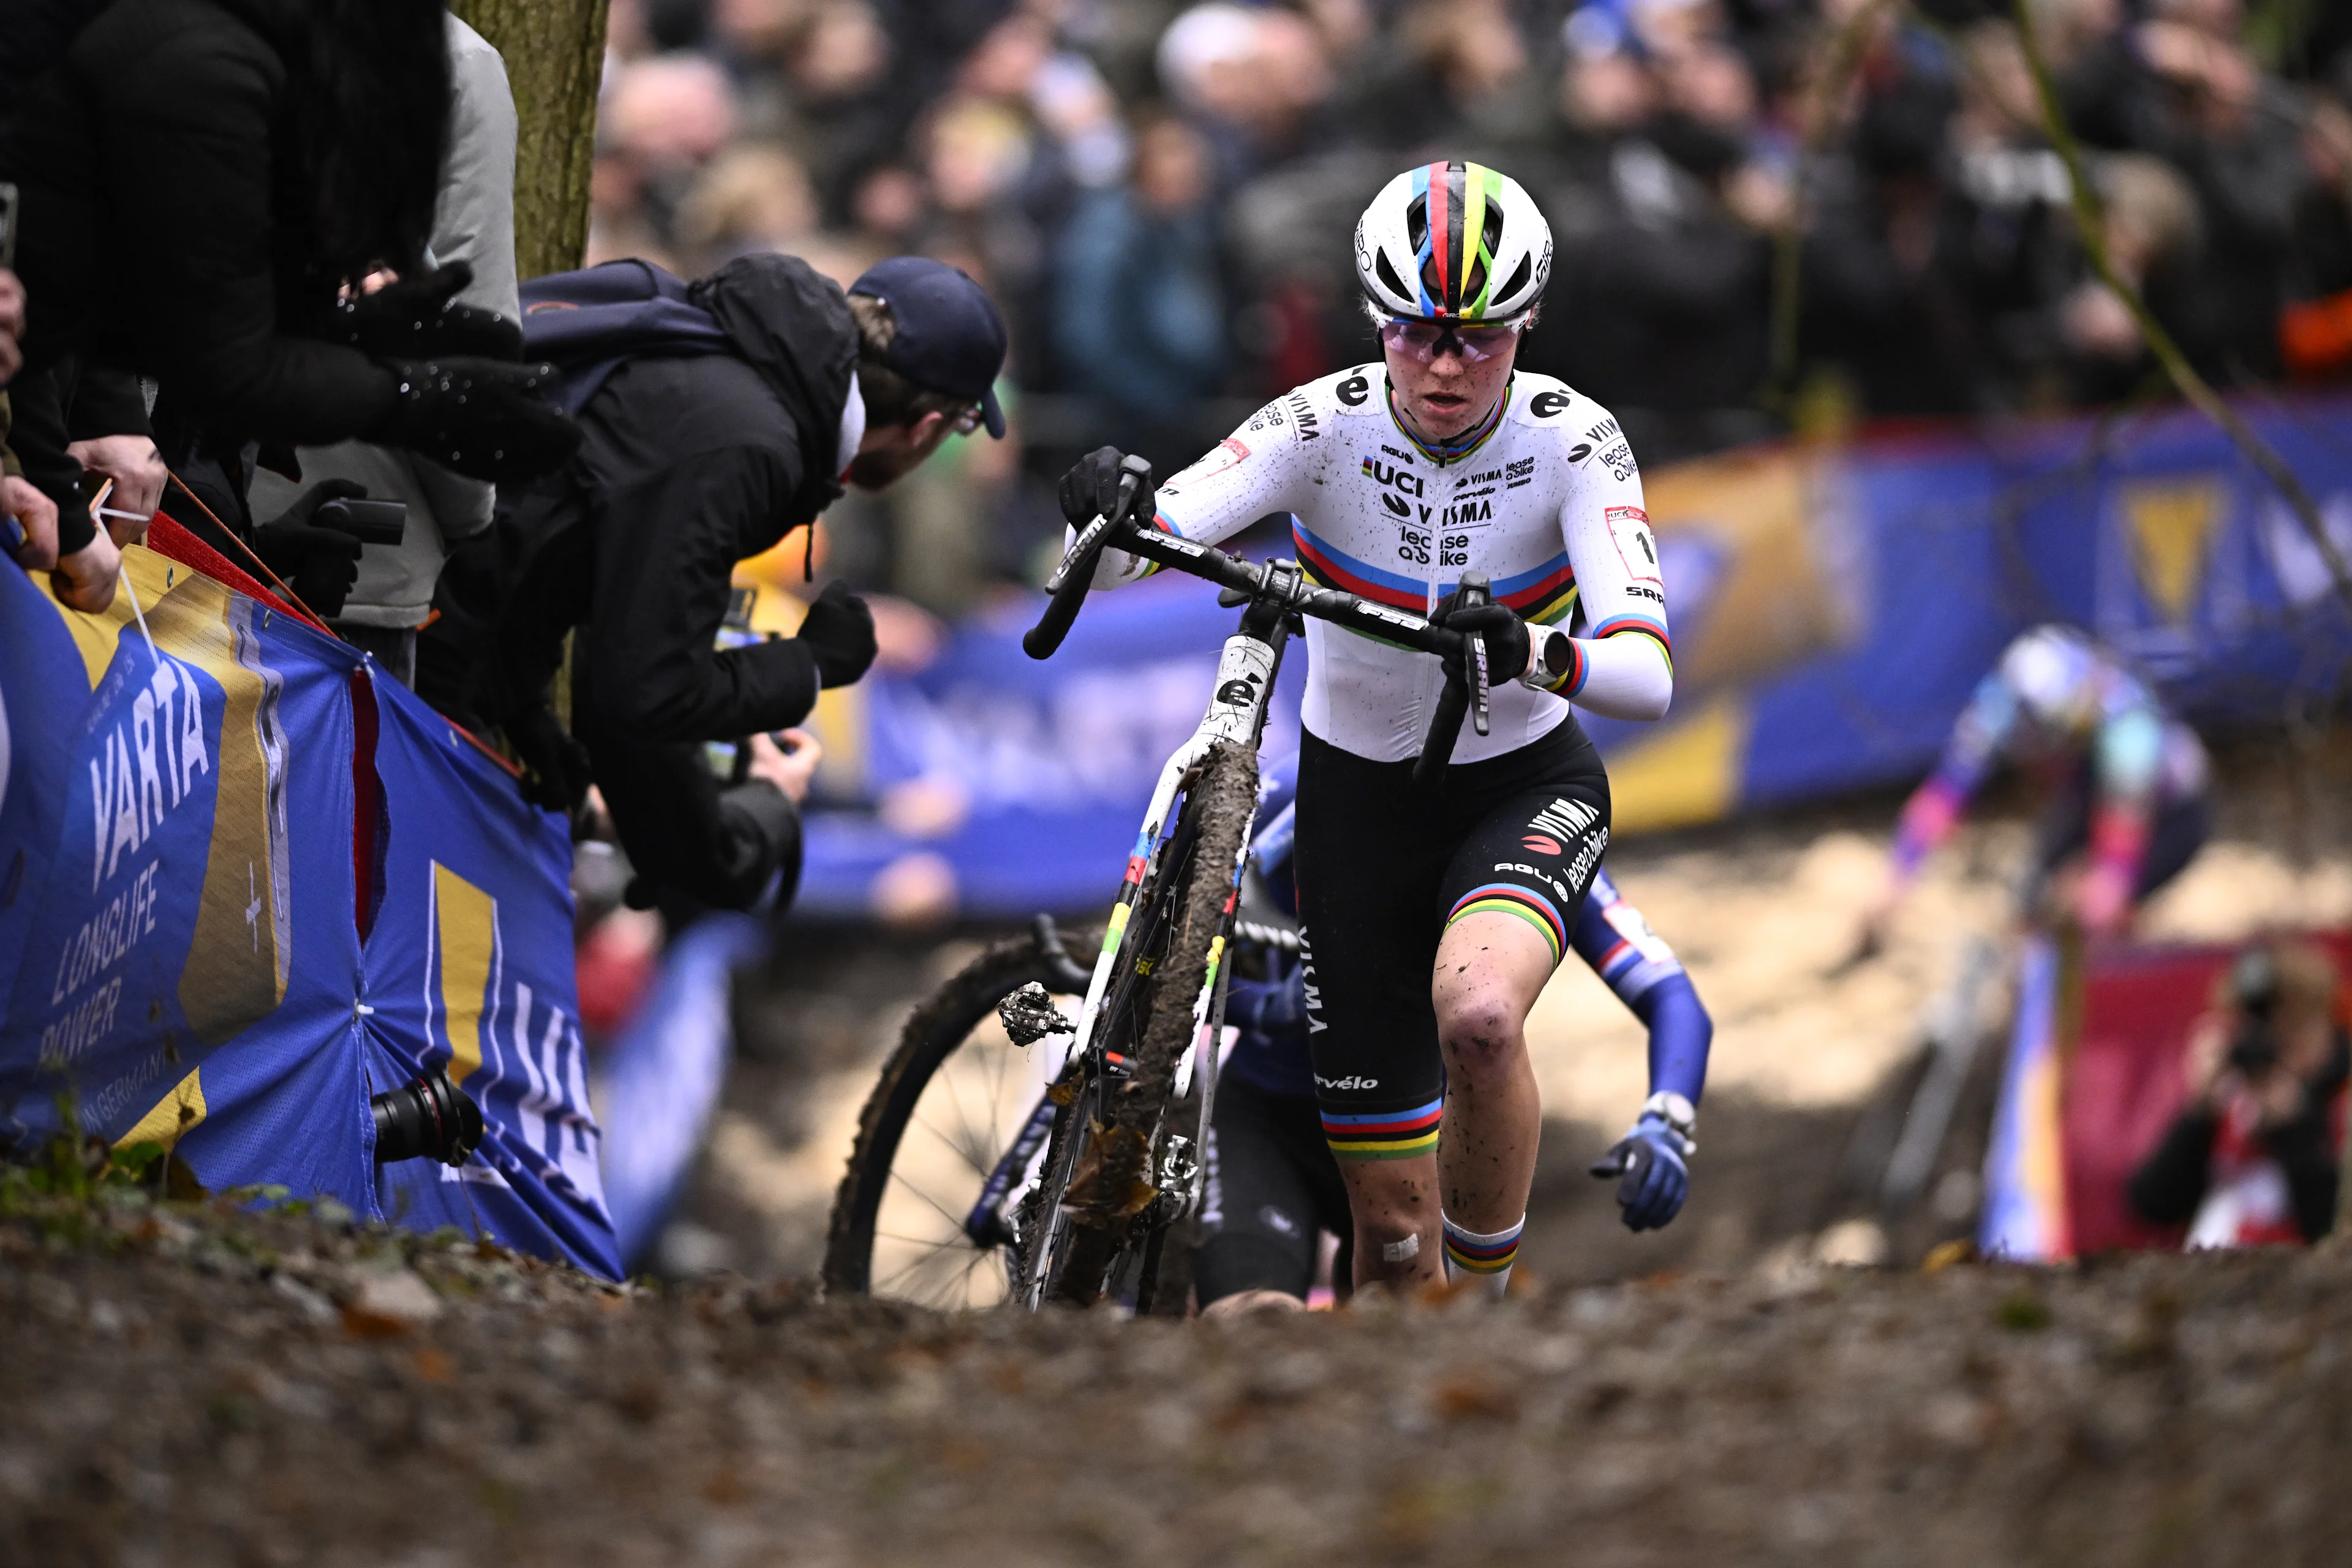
[1236,714]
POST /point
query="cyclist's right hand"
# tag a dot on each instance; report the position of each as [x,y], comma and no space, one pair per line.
[1508,646]
[1091,488]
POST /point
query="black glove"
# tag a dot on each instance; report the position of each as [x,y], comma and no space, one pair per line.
[418,318]
[555,766]
[482,418]
[318,563]
[839,636]
[1091,489]
[1497,626]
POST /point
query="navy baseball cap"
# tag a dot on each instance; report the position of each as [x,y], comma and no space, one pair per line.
[949,337]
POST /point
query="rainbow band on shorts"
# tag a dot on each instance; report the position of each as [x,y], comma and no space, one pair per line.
[1510,899]
[1386,1134]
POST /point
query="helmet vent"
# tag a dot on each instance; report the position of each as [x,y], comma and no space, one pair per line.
[1388,278]
[1518,279]
[1416,224]
[1490,243]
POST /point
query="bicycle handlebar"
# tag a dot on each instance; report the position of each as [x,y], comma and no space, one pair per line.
[1074,578]
[1116,530]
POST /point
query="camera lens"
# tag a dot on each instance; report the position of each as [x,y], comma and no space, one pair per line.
[428,1118]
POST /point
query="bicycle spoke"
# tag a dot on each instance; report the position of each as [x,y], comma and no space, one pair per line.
[963,1150]
[971,1140]
[955,1220]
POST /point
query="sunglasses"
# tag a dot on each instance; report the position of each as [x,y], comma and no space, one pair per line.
[1425,341]
[968,421]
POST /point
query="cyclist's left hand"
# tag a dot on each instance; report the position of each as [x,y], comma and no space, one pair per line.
[1508,647]
[1652,1178]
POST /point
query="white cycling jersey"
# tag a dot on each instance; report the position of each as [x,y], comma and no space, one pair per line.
[1546,501]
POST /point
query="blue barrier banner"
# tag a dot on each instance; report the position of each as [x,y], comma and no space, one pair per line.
[468,965]
[1834,608]
[659,1085]
[180,949]
[1006,786]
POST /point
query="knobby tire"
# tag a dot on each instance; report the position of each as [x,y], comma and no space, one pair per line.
[933,1032]
[1108,1175]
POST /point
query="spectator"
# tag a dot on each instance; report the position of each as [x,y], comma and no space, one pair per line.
[376,598]
[1658,300]
[2150,229]
[2253,1155]
[754,197]
[1141,321]
[718,418]
[32,517]
[2233,130]
[175,117]
[1940,273]
[660,120]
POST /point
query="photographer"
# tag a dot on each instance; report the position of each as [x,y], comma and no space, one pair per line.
[2252,1157]
[719,416]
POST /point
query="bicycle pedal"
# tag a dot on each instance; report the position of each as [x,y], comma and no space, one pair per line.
[1029,1016]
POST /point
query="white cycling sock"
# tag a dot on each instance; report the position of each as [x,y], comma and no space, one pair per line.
[1487,1257]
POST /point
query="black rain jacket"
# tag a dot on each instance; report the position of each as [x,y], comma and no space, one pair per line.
[688,464]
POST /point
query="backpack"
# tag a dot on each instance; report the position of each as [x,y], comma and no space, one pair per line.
[590,322]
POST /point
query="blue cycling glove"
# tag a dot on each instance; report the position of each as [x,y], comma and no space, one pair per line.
[1652,1177]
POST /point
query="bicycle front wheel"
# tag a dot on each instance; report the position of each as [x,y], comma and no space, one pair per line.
[951,1100]
[1099,1209]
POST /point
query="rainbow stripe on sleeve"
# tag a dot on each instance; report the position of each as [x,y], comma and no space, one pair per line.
[1384,1135]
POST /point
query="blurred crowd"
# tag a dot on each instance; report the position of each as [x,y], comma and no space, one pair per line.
[1161,197]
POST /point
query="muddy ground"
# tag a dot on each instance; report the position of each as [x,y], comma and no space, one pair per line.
[193,1388]
[1763,912]
[190,1385]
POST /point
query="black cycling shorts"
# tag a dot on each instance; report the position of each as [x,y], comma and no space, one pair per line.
[1382,872]
[1272,1190]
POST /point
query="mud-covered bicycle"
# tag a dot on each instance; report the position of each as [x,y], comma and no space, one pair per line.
[1084,1153]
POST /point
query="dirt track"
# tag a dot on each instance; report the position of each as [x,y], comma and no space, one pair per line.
[204,1390]
[1762,912]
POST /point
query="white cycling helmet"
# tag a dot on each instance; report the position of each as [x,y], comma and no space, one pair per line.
[1452,242]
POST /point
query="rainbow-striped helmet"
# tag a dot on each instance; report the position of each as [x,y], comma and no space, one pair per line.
[1453,242]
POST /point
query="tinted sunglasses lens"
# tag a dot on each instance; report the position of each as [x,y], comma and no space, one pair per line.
[1425,339]
[1484,342]
[1418,339]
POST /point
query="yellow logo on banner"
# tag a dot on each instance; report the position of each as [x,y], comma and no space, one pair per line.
[2170,527]
[172,1117]
[464,933]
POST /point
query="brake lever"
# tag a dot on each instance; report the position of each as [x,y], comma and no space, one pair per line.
[1478,687]
[1081,549]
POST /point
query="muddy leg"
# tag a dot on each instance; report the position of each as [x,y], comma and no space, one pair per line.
[1490,969]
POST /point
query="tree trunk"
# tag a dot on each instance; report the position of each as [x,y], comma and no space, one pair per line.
[554,51]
